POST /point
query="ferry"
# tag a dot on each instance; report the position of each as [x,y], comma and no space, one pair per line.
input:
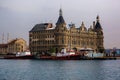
[20,55]
[64,55]
[88,52]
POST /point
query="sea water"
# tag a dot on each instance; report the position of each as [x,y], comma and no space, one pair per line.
[59,69]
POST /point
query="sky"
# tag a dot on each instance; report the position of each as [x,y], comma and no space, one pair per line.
[18,17]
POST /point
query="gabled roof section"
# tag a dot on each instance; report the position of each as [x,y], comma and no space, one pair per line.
[82,27]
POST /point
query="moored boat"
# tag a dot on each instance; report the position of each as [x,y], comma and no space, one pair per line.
[64,55]
[88,52]
[20,55]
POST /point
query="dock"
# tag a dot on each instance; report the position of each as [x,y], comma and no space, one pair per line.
[105,58]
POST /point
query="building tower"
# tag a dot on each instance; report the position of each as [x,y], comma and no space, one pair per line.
[60,32]
[98,29]
[61,21]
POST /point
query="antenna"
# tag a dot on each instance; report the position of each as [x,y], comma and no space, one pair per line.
[2,38]
[7,37]
[61,6]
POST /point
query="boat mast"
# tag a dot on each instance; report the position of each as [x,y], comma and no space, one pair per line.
[3,38]
[7,37]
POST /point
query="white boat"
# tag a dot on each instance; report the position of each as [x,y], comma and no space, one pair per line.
[20,55]
[88,52]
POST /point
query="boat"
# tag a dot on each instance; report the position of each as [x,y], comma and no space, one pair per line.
[88,52]
[20,55]
[64,55]
[67,57]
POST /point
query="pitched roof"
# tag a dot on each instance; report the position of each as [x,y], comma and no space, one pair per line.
[38,27]
[42,26]
[60,20]
[98,26]
[12,41]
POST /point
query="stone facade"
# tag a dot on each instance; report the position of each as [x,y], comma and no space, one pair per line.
[44,36]
[13,46]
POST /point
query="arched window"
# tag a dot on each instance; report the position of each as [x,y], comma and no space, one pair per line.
[62,40]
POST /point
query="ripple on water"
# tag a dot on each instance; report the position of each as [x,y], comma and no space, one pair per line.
[59,70]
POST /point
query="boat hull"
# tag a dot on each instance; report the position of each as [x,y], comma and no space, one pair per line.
[19,57]
[69,57]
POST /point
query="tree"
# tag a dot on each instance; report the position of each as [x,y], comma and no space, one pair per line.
[52,50]
[75,49]
[101,50]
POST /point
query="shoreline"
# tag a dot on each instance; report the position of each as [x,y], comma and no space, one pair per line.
[84,58]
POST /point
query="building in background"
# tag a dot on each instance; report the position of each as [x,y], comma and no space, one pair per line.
[109,52]
[44,36]
[3,48]
[13,46]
